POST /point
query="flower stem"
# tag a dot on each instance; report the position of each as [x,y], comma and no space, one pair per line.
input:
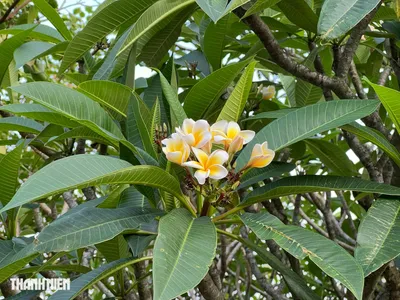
[205,208]
[229,212]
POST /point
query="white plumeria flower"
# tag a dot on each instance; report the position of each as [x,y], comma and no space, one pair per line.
[268,92]
[225,133]
[176,149]
[261,156]
[208,165]
[196,133]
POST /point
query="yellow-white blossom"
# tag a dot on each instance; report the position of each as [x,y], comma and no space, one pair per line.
[268,92]
[208,165]
[196,133]
[228,133]
[176,149]
[261,156]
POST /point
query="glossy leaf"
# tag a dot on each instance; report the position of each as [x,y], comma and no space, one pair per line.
[260,5]
[20,124]
[339,16]
[85,281]
[326,254]
[307,121]
[377,239]
[234,106]
[214,41]
[209,89]
[389,98]
[86,170]
[299,13]
[182,244]
[91,226]
[313,183]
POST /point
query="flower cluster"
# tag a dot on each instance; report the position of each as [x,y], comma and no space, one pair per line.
[198,145]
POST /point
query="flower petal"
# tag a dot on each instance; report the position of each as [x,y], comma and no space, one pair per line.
[193,164]
[200,126]
[236,145]
[203,138]
[187,126]
[202,157]
[247,135]
[220,126]
[218,157]
[217,172]
[175,157]
[257,151]
[201,176]
[189,139]
[232,130]
[264,147]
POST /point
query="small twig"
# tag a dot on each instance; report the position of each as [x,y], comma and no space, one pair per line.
[8,11]
[17,9]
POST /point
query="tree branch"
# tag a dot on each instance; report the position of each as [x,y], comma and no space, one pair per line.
[8,11]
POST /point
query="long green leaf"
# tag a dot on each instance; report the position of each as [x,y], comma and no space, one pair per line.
[214,41]
[112,95]
[209,89]
[332,156]
[299,13]
[39,112]
[14,255]
[260,5]
[307,121]
[7,49]
[234,106]
[152,18]
[313,183]
[172,97]
[339,16]
[20,124]
[377,239]
[374,137]
[29,51]
[80,132]
[52,15]
[103,23]
[306,93]
[91,226]
[90,278]
[182,244]
[73,105]
[40,32]
[390,100]
[9,166]
[326,254]
[86,170]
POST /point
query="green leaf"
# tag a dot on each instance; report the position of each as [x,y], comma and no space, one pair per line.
[208,90]
[143,122]
[273,114]
[339,16]
[307,121]
[289,85]
[312,183]
[332,156]
[213,8]
[152,18]
[300,13]
[374,137]
[112,95]
[182,244]
[256,175]
[40,32]
[389,99]
[326,254]
[9,164]
[14,255]
[214,41]
[158,46]
[259,6]
[20,124]
[85,281]
[172,97]
[39,112]
[52,15]
[377,239]
[234,106]
[139,243]
[91,226]
[28,51]
[86,170]
[307,93]
[74,105]
[7,49]
[103,23]
[80,132]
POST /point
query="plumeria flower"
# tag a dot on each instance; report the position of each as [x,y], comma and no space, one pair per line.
[261,156]
[176,149]
[196,133]
[228,133]
[268,92]
[208,165]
